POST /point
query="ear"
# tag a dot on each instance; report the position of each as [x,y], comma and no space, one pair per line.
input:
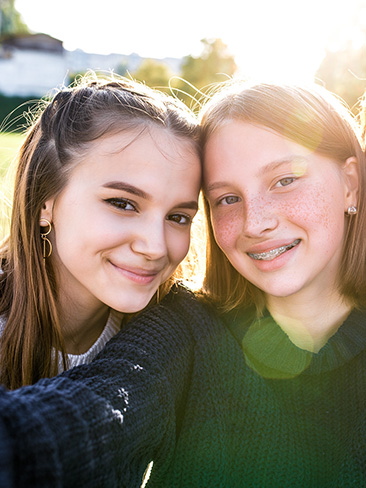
[46,212]
[351,179]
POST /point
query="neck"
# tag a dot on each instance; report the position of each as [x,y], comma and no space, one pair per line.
[81,327]
[310,322]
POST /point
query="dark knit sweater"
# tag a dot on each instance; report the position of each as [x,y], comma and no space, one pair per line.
[175,387]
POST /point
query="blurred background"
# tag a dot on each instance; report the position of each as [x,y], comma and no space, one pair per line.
[181,47]
[46,43]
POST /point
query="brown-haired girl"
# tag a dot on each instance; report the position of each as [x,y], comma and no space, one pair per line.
[106,187]
[262,385]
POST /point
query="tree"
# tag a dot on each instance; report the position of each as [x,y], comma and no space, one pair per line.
[155,74]
[214,64]
[344,72]
[10,19]
[122,68]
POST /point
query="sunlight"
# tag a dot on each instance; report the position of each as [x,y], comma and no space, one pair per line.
[288,40]
[282,40]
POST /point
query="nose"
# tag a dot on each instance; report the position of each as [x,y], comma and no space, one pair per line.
[151,241]
[260,217]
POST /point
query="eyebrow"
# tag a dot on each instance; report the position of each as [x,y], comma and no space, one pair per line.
[272,166]
[122,186]
[215,186]
[192,204]
[280,162]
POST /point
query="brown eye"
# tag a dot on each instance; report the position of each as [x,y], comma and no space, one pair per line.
[180,219]
[121,203]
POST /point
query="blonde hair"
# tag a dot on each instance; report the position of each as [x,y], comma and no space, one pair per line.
[62,131]
[316,119]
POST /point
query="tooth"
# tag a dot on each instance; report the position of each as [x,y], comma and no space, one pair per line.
[273,253]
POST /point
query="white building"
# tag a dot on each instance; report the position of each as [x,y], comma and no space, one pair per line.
[34,64]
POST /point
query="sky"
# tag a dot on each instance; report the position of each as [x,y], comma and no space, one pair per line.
[272,39]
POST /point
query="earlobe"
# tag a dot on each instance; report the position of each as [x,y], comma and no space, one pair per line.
[351,174]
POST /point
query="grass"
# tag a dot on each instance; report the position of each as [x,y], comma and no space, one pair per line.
[9,144]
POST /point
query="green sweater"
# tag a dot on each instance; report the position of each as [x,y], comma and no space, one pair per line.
[212,402]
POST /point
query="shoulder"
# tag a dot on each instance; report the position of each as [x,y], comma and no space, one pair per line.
[175,324]
[184,306]
[181,298]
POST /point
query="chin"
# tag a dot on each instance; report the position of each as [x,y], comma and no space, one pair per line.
[133,306]
[278,291]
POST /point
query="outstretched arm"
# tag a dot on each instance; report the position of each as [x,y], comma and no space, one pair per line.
[99,425]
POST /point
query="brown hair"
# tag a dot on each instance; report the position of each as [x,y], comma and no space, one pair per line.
[62,131]
[316,119]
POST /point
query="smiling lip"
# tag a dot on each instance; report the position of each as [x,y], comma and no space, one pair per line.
[274,252]
[138,275]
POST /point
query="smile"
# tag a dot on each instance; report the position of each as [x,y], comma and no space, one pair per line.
[137,275]
[273,253]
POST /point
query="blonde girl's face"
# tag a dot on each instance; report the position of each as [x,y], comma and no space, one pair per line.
[278,209]
[122,224]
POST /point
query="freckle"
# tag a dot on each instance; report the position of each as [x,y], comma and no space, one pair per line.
[312,207]
[223,229]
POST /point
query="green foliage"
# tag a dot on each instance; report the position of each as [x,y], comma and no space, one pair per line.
[122,69]
[155,74]
[344,72]
[214,64]
[74,76]
[10,19]
[9,145]
[14,112]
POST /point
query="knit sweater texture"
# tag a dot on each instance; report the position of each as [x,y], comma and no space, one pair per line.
[212,401]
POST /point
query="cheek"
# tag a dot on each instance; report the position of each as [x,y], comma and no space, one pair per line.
[88,237]
[178,247]
[226,227]
[320,207]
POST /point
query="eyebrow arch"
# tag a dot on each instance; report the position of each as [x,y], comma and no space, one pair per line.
[122,186]
[215,186]
[272,166]
[279,162]
[193,205]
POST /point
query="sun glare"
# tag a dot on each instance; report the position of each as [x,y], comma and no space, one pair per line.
[283,40]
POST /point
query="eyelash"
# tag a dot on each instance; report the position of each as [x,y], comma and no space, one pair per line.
[188,218]
[122,203]
[224,200]
[291,178]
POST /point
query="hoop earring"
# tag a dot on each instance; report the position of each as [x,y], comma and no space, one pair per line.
[46,240]
[351,210]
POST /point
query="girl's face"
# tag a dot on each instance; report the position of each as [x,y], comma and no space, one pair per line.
[277,208]
[122,224]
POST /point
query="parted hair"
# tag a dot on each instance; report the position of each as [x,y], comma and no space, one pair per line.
[316,119]
[61,132]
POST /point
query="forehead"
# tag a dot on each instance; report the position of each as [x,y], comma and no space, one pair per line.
[139,147]
[163,138]
[245,135]
[247,145]
[147,157]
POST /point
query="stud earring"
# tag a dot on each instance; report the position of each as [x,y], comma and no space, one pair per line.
[352,210]
[45,240]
